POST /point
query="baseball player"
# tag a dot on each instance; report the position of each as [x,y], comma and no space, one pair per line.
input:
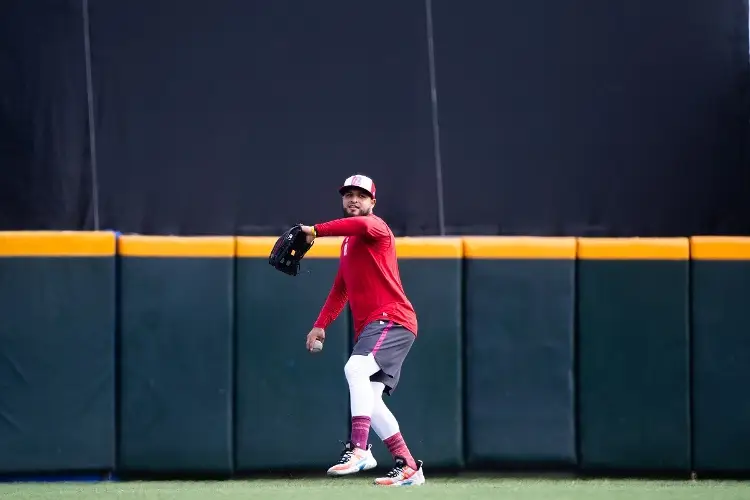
[385,327]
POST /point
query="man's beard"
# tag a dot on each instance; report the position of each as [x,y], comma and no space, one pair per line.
[361,212]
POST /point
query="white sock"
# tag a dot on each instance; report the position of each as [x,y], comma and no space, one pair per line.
[382,420]
[358,370]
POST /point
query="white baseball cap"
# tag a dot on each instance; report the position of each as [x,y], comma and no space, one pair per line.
[359,181]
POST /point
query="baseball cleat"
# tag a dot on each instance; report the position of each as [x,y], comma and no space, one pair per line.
[353,460]
[402,475]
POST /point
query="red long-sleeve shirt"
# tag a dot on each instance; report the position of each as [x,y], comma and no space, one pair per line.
[368,275]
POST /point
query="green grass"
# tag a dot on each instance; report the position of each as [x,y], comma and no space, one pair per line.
[360,488]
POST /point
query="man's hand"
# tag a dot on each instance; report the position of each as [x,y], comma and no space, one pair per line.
[315,334]
[308,230]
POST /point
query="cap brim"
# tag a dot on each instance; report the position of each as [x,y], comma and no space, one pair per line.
[343,189]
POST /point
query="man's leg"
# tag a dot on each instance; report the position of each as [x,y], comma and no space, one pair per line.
[407,471]
[386,427]
[358,371]
[357,455]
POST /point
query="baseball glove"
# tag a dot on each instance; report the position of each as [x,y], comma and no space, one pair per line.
[289,250]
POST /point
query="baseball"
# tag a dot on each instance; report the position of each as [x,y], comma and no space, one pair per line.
[317,346]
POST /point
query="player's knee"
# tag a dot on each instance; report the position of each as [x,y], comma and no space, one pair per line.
[352,369]
[357,368]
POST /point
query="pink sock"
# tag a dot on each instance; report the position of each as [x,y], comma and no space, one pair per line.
[360,432]
[397,446]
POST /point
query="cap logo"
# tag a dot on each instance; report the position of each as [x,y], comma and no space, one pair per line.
[360,181]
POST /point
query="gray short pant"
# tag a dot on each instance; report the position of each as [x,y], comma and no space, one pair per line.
[390,343]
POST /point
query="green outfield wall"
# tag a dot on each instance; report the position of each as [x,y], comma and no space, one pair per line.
[142,355]
[518,331]
[175,337]
[291,407]
[720,314]
[57,352]
[634,354]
